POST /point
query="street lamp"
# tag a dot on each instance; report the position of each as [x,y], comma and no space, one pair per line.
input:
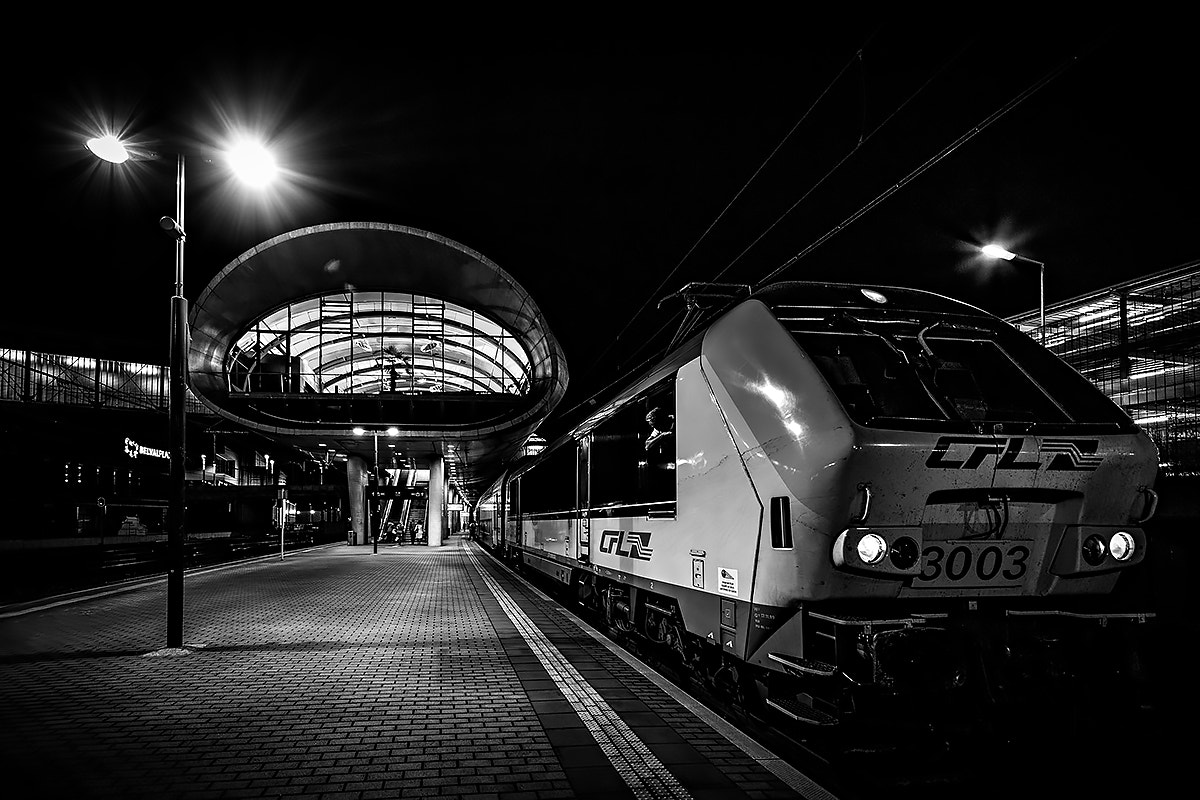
[996,251]
[111,149]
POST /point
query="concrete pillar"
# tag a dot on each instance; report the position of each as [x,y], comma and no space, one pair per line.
[356,484]
[436,502]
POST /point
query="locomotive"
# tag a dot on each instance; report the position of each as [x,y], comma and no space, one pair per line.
[840,500]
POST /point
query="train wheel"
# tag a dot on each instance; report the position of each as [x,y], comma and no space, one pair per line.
[734,682]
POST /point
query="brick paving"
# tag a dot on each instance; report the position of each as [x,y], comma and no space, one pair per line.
[340,673]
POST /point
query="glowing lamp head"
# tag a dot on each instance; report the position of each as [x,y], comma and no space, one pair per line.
[253,163]
[1122,546]
[872,548]
[109,148]
[996,251]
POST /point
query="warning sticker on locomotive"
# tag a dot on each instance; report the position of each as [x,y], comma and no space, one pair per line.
[972,564]
[727,581]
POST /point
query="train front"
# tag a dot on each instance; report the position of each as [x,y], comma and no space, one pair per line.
[979,521]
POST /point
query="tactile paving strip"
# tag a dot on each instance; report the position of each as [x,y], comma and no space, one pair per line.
[634,762]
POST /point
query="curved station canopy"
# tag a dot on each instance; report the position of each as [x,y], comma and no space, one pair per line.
[377,341]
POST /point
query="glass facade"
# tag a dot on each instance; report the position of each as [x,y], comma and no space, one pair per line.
[377,343]
[1140,343]
[35,377]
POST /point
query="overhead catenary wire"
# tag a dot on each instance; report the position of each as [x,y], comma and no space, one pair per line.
[946,151]
[928,163]
[862,139]
[856,58]
[941,154]
[623,375]
[833,82]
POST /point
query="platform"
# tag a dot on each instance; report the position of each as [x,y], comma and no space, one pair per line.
[339,672]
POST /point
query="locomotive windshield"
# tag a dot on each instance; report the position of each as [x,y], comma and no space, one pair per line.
[935,372]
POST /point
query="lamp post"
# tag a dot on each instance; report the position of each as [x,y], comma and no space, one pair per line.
[111,149]
[393,431]
[996,251]
[375,523]
[177,440]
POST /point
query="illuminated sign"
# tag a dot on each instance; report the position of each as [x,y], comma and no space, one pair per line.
[133,450]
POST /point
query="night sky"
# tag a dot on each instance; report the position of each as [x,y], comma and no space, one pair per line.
[605,175]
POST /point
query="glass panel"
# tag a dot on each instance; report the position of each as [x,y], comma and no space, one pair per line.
[377,342]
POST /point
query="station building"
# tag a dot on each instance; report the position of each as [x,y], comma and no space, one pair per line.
[349,381]
[394,350]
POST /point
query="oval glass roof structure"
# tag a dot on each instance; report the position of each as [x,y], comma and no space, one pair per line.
[379,342]
[329,336]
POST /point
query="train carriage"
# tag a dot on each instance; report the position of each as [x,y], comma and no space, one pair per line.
[845,494]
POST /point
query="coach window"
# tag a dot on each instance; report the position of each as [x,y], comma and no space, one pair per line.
[633,456]
[512,511]
[550,484]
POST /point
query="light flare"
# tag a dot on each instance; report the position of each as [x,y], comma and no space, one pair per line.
[252,163]
[784,402]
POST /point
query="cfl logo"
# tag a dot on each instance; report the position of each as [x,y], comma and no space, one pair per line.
[630,544]
[1073,455]
[1069,455]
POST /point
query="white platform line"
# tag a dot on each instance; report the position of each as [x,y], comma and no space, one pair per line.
[805,786]
[634,762]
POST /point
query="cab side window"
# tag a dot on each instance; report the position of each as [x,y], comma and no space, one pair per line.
[633,454]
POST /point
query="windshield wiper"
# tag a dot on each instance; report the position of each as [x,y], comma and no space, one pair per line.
[921,371]
[952,326]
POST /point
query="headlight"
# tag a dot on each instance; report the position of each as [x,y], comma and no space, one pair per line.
[872,548]
[892,552]
[904,553]
[1121,545]
[1089,549]
[1094,550]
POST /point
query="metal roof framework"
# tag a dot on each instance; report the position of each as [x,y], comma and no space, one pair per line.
[373,342]
[1139,342]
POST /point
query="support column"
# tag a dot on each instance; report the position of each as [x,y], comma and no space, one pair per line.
[436,502]
[356,484]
